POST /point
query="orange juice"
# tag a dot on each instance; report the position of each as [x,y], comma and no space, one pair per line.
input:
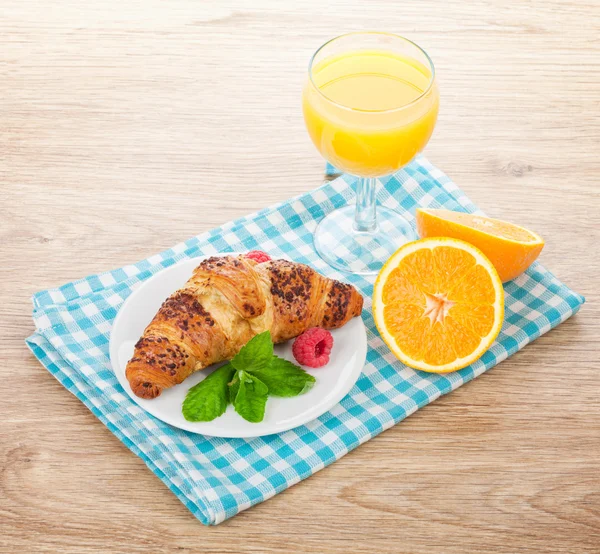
[369,112]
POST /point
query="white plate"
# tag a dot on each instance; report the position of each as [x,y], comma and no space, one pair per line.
[334,380]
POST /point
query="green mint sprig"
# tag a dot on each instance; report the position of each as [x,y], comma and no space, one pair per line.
[246,382]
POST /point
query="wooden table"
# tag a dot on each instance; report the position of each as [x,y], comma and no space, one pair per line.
[126,127]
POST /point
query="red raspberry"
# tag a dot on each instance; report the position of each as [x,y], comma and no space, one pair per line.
[312,348]
[258,256]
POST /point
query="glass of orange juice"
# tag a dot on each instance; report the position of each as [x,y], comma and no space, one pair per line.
[370,105]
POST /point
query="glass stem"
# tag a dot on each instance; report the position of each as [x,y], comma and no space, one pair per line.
[365,218]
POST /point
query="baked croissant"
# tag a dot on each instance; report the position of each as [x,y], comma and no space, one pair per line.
[227,301]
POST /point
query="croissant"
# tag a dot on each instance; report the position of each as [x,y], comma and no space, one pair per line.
[227,301]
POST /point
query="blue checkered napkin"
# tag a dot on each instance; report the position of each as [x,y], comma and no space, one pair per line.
[217,478]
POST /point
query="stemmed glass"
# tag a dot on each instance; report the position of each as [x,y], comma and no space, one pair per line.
[370,105]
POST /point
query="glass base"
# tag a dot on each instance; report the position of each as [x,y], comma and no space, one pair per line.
[339,243]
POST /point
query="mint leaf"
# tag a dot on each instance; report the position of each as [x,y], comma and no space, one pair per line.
[256,354]
[234,387]
[208,399]
[246,382]
[251,397]
[284,378]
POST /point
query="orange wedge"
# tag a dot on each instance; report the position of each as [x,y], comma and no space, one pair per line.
[512,249]
[438,304]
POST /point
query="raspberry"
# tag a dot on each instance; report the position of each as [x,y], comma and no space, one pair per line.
[312,348]
[258,256]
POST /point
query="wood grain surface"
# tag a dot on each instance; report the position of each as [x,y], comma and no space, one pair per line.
[126,127]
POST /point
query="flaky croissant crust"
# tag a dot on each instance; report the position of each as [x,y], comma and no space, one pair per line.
[227,301]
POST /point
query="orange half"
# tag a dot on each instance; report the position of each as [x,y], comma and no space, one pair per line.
[438,304]
[512,249]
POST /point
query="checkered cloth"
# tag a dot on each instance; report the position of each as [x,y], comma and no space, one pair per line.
[217,478]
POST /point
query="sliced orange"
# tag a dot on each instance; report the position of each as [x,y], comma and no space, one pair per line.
[512,249]
[438,304]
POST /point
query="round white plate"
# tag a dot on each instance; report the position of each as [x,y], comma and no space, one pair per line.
[333,381]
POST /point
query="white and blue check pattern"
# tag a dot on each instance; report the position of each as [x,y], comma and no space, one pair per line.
[217,478]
